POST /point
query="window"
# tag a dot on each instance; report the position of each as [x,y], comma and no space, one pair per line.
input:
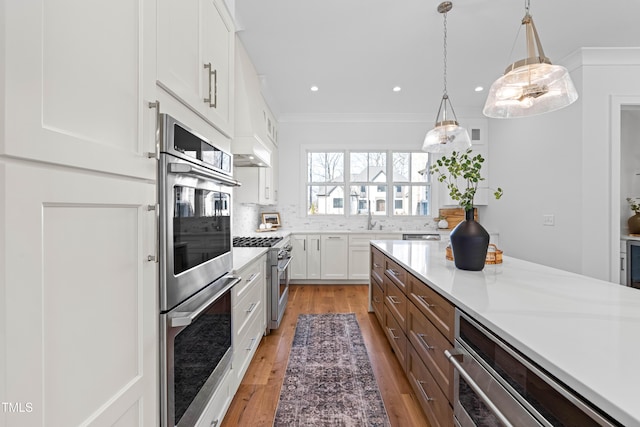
[354,183]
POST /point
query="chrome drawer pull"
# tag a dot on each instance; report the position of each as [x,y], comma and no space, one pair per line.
[424,342]
[424,393]
[253,340]
[453,358]
[376,265]
[252,307]
[253,277]
[393,299]
[392,334]
[424,300]
[394,272]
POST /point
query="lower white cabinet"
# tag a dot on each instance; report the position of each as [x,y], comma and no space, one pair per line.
[359,253]
[623,262]
[334,253]
[248,316]
[306,256]
[219,403]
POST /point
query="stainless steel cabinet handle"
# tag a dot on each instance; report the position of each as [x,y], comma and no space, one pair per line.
[318,244]
[424,393]
[393,272]
[375,265]
[424,300]
[392,334]
[213,103]
[253,340]
[424,342]
[253,277]
[252,307]
[304,245]
[453,358]
[393,299]
[622,264]
[156,152]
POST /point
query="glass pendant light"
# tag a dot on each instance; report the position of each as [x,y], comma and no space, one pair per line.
[530,86]
[447,135]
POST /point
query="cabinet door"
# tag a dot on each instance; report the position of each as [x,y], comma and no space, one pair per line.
[81,297]
[78,85]
[313,256]
[195,58]
[256,185]
[299,257]
[334,257]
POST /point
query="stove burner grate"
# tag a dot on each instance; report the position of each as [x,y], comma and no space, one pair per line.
[255,242]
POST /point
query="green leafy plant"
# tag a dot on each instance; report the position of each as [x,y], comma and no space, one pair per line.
[460,171]
[633,204]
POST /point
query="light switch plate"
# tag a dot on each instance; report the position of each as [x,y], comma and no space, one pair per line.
[548,219]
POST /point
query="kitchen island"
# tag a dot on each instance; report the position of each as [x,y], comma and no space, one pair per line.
[584,332]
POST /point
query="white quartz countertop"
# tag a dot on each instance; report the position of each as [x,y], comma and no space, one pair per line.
[243,256]
[584,331]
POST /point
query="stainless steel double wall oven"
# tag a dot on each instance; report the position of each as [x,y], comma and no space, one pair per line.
[195,189]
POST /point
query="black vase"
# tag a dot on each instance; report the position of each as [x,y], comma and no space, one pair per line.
[469,243]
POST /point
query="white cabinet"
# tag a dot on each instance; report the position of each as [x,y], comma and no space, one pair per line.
[360,251]
[623,262]
[305,263]
[334,253]
[196,40]
[219,403]
[248,316]
[79,328]
[257,185]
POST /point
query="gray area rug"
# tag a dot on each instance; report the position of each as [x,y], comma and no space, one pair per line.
[329,379]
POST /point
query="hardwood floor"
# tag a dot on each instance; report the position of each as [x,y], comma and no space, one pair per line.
[257,398]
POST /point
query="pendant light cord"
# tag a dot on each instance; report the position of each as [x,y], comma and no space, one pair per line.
[445,55]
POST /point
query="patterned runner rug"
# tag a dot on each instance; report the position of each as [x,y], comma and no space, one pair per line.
[329,379]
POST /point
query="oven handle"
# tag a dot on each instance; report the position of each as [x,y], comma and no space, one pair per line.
[185,168]
[453,356]
[185,319]
[281,269]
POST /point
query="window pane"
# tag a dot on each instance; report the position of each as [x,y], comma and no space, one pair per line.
[325,200]
[401,163]
[419,163]
[367,167]
[361,197]
[325,167]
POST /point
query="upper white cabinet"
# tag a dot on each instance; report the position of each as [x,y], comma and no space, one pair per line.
[77,87]
[196,40]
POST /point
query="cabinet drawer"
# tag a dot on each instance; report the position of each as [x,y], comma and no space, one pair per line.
[247,308]
[250,275]
[432,400]
[437,309]
[397,338]
[397,274]
[430,345]
[396,300]
[377,264]
[377,300]
[244,347]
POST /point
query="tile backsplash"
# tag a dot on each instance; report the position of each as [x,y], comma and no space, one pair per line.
[246,219]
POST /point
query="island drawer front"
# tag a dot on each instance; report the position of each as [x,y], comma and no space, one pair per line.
[437,309]
[377,264]
[397,338]
[432,400]
[397,274]
[430,345]
[377,301]
[396,300]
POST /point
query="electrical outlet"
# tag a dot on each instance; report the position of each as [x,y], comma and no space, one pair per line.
[548,219]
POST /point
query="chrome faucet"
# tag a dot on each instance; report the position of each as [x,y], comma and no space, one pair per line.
[370,224]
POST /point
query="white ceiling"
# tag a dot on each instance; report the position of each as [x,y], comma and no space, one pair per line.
[356,51]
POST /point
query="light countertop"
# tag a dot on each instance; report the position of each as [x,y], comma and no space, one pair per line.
[584,331]
[243,256]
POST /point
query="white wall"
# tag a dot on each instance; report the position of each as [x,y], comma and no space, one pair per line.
[561,163]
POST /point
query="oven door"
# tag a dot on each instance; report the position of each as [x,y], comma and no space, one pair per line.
[195,353]
[279,290]
[195,229]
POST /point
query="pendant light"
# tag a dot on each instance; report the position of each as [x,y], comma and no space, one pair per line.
[530,86]
[447,135]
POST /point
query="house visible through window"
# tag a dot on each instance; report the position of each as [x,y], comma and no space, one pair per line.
[354,183]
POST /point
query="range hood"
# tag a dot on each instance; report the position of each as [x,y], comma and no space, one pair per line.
[250,146]
[250,151]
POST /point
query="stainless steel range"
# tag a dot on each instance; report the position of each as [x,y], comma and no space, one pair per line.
[278,261]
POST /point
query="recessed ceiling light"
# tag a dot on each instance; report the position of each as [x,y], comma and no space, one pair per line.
[314,88]
[479,89]
[397,89]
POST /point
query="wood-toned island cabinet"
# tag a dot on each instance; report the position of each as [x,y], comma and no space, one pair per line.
[419,324]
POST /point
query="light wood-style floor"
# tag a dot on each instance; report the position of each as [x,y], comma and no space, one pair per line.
[257,398]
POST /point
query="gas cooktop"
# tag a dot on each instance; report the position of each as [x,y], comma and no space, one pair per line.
[255,242]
